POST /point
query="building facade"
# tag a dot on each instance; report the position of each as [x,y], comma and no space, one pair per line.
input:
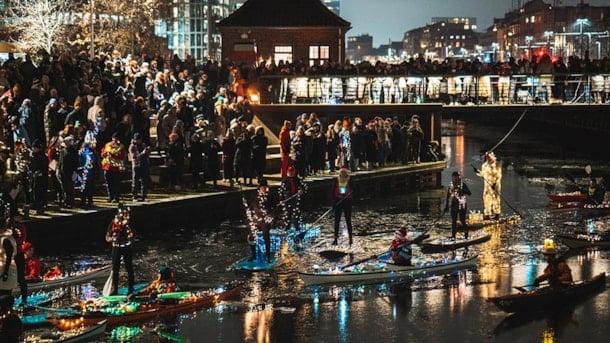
[191,30]
[443,39]
[278,30]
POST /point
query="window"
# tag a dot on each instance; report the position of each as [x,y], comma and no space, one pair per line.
[282,53]
[318,54]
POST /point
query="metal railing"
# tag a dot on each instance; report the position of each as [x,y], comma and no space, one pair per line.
[450,90]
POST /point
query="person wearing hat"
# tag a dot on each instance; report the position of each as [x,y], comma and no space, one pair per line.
[40,176]
[211,148]
[456,201]
[138,155]
[263,215]
[113,156]
[491,172]
[33,267]
[400,248]
[66,169]
[120,235]
[290,191]
[164,283]
[343,192]
[557,272]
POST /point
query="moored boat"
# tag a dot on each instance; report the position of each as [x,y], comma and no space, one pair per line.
[585,240]
[385,271]
[547,298]
[567,197]
[117,313]
[74,335]
[68,280]
[446,243]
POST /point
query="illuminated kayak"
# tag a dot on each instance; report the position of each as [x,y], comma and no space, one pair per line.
[547,298]
[585,240]
[83,333]
[567,197]
[381,271]
[68,280]
[446,243]
[117,312]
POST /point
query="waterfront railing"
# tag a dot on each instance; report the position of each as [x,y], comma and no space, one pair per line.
[585,88]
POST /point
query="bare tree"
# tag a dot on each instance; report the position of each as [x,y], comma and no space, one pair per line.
[127,26]
[36,25]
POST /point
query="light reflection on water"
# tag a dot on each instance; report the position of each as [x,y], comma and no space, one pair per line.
[441,308]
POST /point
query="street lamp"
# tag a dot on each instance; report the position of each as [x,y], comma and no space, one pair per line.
[92,47]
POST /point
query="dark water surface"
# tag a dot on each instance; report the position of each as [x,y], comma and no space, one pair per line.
[277,307]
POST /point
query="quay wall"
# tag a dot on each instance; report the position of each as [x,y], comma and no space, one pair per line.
[208,210]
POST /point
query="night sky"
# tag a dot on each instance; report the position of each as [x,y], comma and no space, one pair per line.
[389,19]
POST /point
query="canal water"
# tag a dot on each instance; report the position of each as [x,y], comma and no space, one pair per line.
[276,306]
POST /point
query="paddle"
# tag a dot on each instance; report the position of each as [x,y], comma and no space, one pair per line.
[414,241]
[524,287]
[302,234]
[107,290]
[498,193]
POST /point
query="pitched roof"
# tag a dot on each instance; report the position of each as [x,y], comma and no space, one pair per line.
[283,13]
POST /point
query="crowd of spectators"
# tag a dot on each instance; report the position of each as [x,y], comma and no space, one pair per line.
[69,106]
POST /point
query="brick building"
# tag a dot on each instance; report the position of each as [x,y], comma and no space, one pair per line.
[303,30]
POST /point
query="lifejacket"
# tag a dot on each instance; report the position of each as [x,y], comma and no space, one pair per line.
[343,189]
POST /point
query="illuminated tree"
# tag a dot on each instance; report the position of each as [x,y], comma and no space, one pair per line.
[36,25]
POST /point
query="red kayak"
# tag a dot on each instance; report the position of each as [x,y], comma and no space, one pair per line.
[567,197]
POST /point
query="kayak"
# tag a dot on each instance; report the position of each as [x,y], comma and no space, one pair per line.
[385,271]
[585,240]
[133,311]
[445,243]
[68,280]
[547,298]
[40,298]
[567,197]
[73,335]
[476,221]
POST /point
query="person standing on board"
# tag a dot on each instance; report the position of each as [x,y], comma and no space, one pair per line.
[290,191]
[120,234]
[456,201]
[342,202]
[491,172]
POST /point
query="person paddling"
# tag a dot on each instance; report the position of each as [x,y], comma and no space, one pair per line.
[33,266]
[120,234]
[456,200]
[400,248]
[342,202]
[557,271]
[164,283]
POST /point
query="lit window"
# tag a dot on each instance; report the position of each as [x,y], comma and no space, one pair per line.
[283,53]
[318,54]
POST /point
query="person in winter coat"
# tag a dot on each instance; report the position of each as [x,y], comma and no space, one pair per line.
[259,153]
